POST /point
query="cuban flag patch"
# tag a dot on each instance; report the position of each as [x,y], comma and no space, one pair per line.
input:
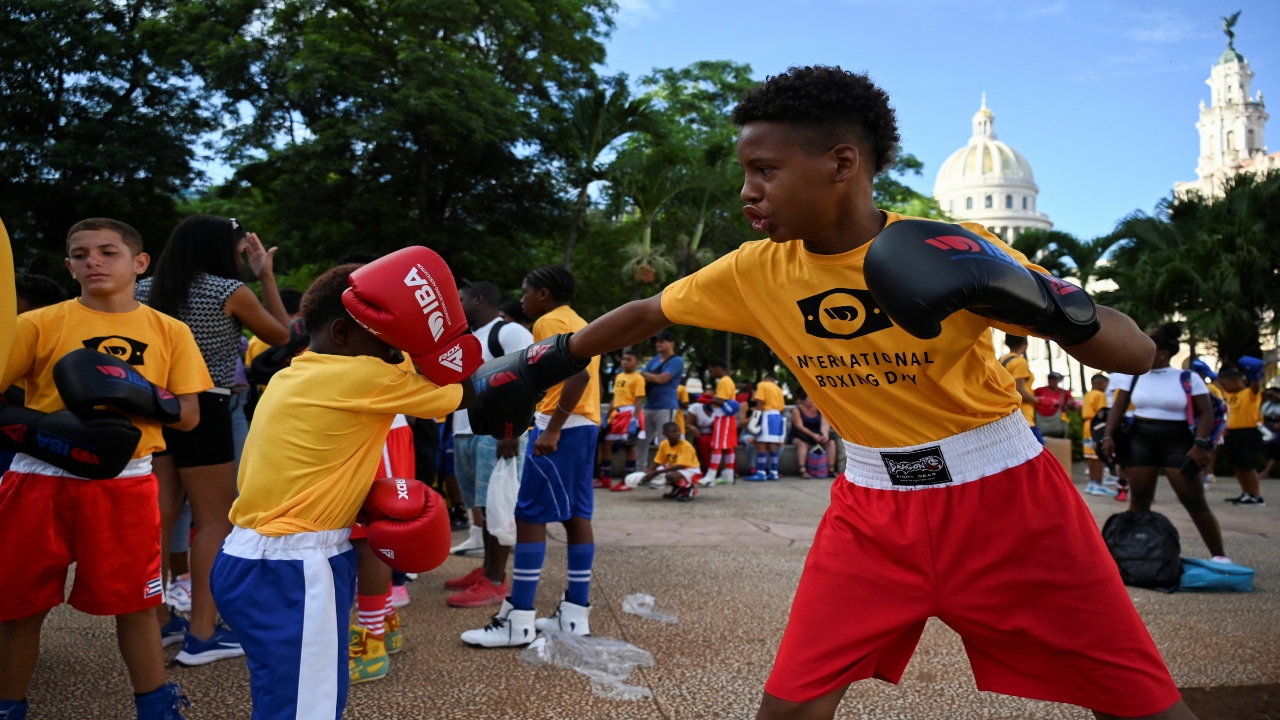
[155,586]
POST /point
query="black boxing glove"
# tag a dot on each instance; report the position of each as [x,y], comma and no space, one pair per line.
[87,378]
[922,271]
[97,446]
[508,388]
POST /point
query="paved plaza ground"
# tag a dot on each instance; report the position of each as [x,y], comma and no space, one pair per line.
[727,565]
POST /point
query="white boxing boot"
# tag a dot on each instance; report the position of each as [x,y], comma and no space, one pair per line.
[569,617]
[473,545]
[508,628]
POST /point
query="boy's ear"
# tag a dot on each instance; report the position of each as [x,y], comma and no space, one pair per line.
[141,262]
[340,331]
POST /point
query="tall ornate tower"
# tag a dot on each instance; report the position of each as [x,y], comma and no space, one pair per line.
[1232,126]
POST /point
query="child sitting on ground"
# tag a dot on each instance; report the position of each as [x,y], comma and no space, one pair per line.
[675,464]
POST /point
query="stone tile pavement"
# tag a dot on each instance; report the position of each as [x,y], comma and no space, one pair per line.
[727,564]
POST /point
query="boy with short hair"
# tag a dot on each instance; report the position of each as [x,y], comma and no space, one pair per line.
[624,421]
[724,427]
[1094,401]
[768,399]
[109,528]
[1015,361]
[285,576]
[677,463]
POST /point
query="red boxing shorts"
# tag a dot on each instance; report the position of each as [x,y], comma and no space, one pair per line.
[626,425]
[724,432]
[1011,559]
[398,461]
[109,528]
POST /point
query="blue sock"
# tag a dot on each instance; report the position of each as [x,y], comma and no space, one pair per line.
[773,462]
[525,574]
[580,559]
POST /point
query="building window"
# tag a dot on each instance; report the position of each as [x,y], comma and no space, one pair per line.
[1008,201]
[988,202]
[1231,140]
[1248,146]
[968,203]
[1024,202]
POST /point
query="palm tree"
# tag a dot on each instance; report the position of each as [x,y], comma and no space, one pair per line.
[646,177]
[597,118]
[1065,255]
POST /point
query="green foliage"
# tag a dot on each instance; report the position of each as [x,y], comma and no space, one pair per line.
[1063,254]
[101,117]
[1213,264]
[895,196]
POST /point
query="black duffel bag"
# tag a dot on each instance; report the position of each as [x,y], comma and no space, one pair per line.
[1146,549]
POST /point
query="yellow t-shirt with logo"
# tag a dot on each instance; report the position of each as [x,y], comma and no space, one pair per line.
[1020,369]
[627,388]
[1244,409]
[726,388]
[878,385]
[564,320]
[1093,401]
[770,396]
[317,438]
[159,347]
[682,454]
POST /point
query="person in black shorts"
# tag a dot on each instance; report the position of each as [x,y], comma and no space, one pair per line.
[1243,441]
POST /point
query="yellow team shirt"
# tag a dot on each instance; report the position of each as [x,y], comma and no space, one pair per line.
[682,394]
[317,439]
[682,454]
[563,320]
[770,396]
[8,297]
[726,388]
[159,347]
[1217,391]
[878,385]
[1020,370]
[1094,400]
[627,388]
[1244,409]
[256,346]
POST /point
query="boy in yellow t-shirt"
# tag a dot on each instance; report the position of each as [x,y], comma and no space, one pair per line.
[676,463]
[768,400]
[624,421]
[1015,361]
[109,528]
[285,577]
[1094,402]
[1243,439]
[722,444]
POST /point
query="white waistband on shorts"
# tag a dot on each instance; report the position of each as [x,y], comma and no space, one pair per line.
[542,420]
[24,463]
[961,458]
[249,544]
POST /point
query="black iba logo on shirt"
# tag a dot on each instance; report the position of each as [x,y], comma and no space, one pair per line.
[917,467]
[842,314]
[123,348]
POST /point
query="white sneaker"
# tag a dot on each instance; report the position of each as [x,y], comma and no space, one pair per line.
[1110,480]
[726,477]
[473,546]
[1094,488]
[707,480]
[508,628]
[179,593]
[569,617]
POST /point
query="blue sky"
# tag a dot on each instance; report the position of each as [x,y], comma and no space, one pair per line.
[1101,98]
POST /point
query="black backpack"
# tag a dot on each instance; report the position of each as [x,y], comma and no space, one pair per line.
[1146,549]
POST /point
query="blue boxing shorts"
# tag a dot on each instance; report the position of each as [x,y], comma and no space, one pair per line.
[556,487]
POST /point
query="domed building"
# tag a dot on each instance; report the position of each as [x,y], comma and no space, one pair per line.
[989,182]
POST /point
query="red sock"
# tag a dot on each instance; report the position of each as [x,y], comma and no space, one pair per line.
[371,610]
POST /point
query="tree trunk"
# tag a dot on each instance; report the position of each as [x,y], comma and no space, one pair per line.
[1236,340]
[579,209]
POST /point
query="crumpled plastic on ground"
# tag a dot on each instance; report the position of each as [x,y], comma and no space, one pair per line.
[642,604]
[606,661]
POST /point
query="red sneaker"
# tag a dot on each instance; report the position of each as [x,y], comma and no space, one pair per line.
[1122,494]
[466,581]
[481,593]
[622,486]
[602,483]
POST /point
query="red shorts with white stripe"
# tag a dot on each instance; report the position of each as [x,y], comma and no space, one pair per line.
[109,528]
[398,461]
[1013,562]
[724,433]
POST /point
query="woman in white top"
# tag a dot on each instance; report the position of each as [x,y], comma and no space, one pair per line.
[1161,437]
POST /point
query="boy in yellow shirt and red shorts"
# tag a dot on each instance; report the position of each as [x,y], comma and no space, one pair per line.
[948,506]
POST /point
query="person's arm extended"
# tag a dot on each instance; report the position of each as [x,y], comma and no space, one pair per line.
[1120,345]
[190,414]
[634,322]
[570,394]
[244,306]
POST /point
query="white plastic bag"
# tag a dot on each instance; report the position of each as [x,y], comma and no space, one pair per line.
[500,502]
[608,662]
[642,604]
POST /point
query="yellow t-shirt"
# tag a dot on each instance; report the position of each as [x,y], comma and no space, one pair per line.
[770,396]
[1019,369]
[159,347]
[256,346]
[1217,391]
[317,439]
[682,454]
[1094,400]
[562,320]
[726,388]
[8,298]
[682,394]
[814,311]
[1244,409]
[627,387]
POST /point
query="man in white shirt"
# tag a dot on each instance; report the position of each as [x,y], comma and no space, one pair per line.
[474,456]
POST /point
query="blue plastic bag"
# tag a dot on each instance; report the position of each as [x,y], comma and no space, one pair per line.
[1209,576]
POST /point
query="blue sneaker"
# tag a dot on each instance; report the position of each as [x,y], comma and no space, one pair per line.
[757,476]
[773,476]
[220,645]
[13,710]
[163,703]
[174,631]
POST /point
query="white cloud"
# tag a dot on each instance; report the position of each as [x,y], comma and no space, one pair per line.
[634,13]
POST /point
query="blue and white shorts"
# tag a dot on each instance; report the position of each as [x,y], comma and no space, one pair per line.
[772,428]
[556,487]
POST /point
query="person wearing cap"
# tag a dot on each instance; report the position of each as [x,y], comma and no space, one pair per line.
[1052,402]
[662,376]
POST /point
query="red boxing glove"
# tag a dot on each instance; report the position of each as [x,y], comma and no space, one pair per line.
[408,525]
[409,299]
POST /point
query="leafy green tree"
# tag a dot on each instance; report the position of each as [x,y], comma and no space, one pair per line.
[892,194]
[1064,254]
[101,117]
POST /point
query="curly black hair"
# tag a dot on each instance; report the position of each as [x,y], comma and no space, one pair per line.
[830,104]
[322,303]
